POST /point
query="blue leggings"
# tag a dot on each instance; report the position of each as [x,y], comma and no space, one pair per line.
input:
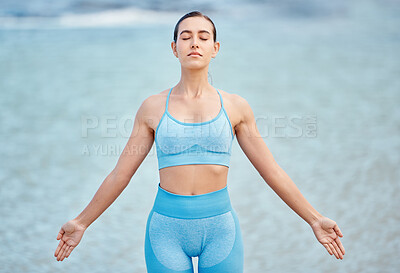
[180,227]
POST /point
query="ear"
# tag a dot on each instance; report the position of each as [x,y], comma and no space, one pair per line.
[217,45]
[173,46]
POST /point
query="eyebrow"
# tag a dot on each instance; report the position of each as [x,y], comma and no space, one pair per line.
[200,31]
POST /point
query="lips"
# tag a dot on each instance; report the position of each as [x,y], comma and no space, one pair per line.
[195,53]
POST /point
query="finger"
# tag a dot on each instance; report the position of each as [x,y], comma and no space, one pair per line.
[334,250]
[337,230]
[60,245]
[338,250]
[60,233]
[339,243]
[330,248]
[65,253]
[61,252]
[69,251]
[327,248]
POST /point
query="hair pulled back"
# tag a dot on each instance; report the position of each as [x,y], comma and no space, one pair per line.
[194,14]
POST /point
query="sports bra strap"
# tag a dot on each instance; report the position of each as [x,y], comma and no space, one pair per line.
[220,97]
[166,105]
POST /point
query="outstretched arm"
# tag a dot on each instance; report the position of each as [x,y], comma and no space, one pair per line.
[135,151]
[137,148]
[257,152]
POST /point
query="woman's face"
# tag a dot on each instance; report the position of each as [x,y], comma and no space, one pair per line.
[195,34]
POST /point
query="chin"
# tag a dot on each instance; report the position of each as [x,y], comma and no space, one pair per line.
[194,65]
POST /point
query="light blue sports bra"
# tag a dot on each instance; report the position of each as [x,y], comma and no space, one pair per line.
[182,143]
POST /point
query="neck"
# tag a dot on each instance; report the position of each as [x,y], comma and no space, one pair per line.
[193,83]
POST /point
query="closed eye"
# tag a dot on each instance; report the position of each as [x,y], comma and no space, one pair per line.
[189,38]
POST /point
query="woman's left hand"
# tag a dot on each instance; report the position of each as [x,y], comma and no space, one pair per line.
[328,233]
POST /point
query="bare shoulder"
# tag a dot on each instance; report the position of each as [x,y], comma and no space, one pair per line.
[152,102]
[234,99]
[237,107]
[152,109]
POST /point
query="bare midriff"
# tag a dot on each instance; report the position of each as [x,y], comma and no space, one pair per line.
[193,179]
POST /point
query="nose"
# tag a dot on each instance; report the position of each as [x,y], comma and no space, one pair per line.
[194,44]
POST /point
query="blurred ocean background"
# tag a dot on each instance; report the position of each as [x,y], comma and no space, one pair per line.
[323,80]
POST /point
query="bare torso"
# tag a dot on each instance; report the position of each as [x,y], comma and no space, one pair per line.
[199,178]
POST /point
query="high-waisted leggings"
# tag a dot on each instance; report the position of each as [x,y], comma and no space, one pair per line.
[180,227]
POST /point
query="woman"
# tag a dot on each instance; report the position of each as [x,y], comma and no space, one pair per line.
[192,214]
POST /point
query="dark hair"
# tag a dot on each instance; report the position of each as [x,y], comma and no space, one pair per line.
[194,14]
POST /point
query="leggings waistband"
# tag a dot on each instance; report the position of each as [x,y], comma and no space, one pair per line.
[192,206]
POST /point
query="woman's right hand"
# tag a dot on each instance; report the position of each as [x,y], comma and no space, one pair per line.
[328,233]
[70,235]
